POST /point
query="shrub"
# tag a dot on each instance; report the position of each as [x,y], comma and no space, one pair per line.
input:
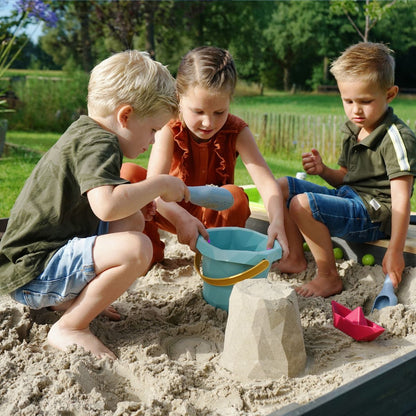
[48,103]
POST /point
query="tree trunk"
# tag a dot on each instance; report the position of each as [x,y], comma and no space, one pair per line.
[150,34]
[286,77]
[83,9]
[325,70]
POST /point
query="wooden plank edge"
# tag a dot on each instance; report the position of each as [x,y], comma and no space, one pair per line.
[388,390]
[410,244]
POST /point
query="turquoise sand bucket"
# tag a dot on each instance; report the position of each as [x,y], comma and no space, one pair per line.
[232,254]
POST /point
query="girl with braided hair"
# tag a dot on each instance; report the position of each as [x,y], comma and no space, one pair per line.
[201,147]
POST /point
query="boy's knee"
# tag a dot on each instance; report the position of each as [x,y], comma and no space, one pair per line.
[139,249]
[299,205]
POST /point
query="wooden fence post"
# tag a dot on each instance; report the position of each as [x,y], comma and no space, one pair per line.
[294,134]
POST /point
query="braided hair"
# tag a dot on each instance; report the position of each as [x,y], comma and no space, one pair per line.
[207,67]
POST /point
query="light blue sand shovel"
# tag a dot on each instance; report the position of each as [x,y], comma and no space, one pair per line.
[386,297]
[211,196]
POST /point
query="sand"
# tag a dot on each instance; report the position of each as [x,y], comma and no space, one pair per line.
[169,345]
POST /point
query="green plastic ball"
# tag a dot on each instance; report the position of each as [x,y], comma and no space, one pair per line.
[338,253]
[368,260]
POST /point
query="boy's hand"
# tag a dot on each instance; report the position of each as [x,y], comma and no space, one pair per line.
[175,190]
[312,162]
[393,264]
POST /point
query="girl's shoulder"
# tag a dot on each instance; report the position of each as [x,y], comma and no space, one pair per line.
[235,121]
[175,126]
[234,124]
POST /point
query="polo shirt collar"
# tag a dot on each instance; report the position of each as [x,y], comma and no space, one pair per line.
[372,140]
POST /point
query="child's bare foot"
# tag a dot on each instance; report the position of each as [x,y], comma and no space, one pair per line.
[320,286]
[289,266]
[61,338]
[110,311]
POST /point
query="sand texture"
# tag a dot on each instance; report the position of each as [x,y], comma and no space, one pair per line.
[169,345]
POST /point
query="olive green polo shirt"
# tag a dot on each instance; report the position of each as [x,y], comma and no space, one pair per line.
[52,207]
[387,153]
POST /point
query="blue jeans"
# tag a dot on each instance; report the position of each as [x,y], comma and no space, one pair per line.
[68,272]
[341,210]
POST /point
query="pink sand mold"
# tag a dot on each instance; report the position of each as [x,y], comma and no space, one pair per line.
[354,323]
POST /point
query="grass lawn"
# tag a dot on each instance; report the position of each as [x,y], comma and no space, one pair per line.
[17,162]
[311,104]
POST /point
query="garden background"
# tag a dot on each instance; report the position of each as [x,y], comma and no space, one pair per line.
[282,51]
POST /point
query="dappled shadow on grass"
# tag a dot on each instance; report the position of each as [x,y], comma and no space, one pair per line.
[15,151]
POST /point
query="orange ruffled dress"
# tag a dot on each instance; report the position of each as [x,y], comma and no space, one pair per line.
[200,163]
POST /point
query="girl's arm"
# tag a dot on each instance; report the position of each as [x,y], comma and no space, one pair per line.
[162,151]
[267,186]
[393,261]
[187,226]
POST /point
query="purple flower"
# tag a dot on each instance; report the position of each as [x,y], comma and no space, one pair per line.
[39,10]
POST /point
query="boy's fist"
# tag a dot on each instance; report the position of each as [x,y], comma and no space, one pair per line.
[175,190]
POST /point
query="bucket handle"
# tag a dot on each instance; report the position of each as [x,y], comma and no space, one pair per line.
[231,280]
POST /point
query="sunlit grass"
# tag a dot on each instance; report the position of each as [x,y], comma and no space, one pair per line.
[16,164]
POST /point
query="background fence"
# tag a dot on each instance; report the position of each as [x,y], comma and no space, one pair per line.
[290,134]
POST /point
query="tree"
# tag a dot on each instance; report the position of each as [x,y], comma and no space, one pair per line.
[274,43]
[372,11]
[249,44]
[70,42]
[291,37]
[12,37]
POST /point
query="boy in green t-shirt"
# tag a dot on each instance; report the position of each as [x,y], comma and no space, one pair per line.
[74,240]
[372,187]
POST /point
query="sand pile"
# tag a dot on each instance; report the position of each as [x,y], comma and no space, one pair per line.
[169,345]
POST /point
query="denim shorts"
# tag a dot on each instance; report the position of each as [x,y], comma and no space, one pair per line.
[341,210]
[70,269]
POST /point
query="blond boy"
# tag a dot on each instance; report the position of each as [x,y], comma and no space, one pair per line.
[373,185]
[74,240]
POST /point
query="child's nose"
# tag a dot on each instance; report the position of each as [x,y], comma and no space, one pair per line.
[357,108]
[206,121]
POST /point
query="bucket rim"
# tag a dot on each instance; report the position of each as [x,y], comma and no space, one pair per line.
[248,257]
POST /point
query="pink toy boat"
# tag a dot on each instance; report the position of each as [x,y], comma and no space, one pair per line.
[354,323]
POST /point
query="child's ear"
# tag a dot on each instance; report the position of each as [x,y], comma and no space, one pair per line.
[123,114]
[392,93]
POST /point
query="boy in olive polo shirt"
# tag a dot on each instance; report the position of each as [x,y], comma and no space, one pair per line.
[373,185]
[74,240]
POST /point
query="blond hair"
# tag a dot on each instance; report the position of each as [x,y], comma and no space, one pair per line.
[368,61]
[207,67]
[131,78]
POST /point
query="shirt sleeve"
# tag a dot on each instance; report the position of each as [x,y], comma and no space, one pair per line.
[99,163]
[400,152]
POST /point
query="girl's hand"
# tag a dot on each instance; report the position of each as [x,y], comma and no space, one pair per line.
[149,211]
[188,230]
[277,232]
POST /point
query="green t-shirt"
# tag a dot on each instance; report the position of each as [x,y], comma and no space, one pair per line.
[387,153]
[52,207]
